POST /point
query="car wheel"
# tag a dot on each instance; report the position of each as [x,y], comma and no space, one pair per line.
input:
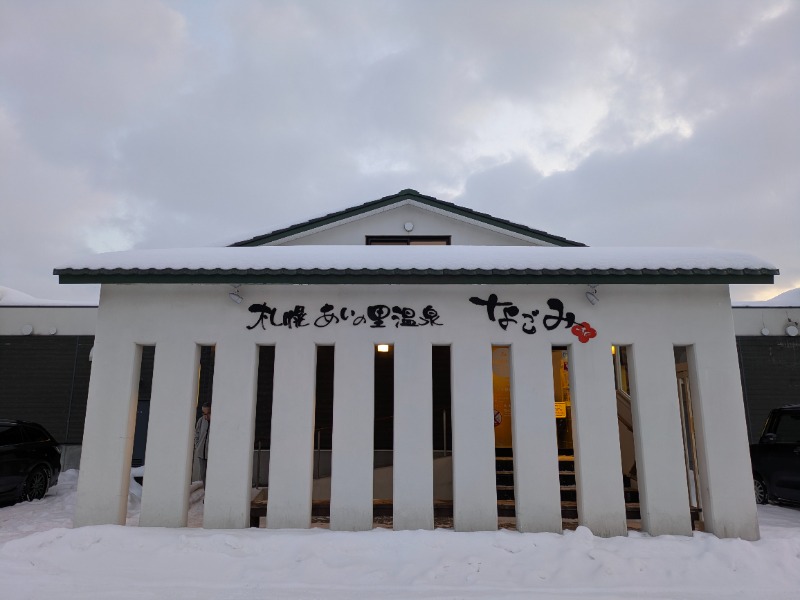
[760,488]
[36,484]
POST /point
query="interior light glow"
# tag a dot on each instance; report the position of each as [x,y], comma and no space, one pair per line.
[383,347]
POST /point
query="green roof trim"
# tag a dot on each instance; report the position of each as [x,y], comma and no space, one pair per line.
[403,196]
[416,276]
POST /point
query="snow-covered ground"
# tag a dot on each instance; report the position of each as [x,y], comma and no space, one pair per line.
[41,557]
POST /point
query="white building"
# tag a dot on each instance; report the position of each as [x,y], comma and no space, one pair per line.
[527,321]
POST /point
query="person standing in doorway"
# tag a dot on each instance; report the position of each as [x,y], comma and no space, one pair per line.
[201,430]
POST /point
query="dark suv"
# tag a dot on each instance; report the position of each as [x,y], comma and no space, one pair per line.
[30,461]
[776,457]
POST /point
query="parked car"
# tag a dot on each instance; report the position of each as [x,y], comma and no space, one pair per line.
[776,457]
[30,461]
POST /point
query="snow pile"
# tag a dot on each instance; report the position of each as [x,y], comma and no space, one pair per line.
[113,562]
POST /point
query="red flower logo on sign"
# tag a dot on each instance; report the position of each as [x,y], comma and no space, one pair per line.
[584,332]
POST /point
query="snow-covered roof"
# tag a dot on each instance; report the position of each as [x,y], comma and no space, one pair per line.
[417,264]
[12,297]
[788,299]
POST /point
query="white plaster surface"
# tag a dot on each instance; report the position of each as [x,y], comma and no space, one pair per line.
[598,473]
[170,434]
[353,436]
[660,464]
[292,436]
[537,496]
[726,481]
[413,441]
[108,431]
[228,479]
[474,482]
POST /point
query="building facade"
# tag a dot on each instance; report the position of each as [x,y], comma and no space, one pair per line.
[532,347]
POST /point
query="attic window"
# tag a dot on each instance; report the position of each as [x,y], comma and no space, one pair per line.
[408,240]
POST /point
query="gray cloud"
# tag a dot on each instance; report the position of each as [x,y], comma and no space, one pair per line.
[158,124]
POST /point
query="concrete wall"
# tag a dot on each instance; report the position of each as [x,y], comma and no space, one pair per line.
[648,319]
[750,320]
[48,320]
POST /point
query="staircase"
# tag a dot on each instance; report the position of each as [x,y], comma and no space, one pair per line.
[504,469]
[504,466]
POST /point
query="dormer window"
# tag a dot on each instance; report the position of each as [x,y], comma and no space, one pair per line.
[408,240]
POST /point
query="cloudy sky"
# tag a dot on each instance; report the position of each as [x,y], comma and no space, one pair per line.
[158,124]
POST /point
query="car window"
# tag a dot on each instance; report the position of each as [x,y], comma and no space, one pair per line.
[34,434]
[788,429]
[10,434]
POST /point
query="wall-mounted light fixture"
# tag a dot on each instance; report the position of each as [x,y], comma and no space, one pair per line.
[234,295]
[591,295]
[383,347]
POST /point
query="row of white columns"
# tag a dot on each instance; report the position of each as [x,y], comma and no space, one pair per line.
[601,506]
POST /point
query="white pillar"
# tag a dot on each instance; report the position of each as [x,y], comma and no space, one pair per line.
[291,455]
[231,433]
[170,434]
[474,474]
[105,471]
[726,484]
[353,436]
[660,463]
[537,493]
[598,465]
[413,436]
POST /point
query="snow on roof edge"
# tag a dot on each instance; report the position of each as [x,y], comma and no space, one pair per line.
[420,257]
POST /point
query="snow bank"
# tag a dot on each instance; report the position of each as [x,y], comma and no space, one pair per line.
[113,562]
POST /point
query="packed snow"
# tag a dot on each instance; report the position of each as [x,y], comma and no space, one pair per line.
[420,257]
[41,556]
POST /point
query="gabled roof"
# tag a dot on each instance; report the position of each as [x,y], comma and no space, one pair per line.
[402,197]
